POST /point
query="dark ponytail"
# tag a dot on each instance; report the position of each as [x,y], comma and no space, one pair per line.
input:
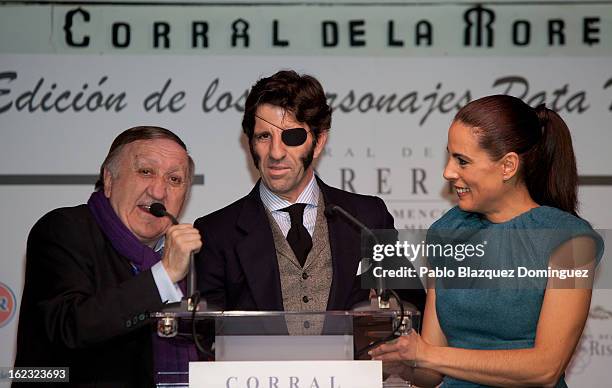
[553,178]
[541,139]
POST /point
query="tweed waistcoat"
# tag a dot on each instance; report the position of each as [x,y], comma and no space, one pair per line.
[305,289]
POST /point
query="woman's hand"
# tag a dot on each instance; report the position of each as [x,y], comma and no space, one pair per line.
[404,348]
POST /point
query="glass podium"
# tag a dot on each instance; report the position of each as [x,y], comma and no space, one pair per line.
[285,336]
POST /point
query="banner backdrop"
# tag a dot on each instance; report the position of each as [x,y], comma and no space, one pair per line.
[73,76]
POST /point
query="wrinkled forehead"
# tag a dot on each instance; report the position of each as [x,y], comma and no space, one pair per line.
[160,153]
[274,115]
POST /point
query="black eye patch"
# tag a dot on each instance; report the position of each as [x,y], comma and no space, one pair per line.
[294,137]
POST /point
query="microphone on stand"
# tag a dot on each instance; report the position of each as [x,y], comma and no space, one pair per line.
[401,325]
[381,290]
[159,210]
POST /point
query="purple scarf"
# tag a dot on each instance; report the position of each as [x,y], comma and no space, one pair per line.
[170,354]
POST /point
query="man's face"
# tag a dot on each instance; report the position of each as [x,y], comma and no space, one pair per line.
[284,169]
[148,171]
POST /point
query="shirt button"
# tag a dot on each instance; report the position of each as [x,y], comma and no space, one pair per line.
[305,299]
[306,325]
[304,275]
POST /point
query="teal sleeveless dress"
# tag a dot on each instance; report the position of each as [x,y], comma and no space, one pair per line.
[503,317]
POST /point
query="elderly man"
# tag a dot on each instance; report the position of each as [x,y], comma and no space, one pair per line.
[275,249]
[95,271]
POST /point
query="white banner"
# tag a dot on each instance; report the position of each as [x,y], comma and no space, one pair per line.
[62,102]
[285,374]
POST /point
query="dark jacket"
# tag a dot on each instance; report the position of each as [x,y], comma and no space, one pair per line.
[83,307]
[237,267]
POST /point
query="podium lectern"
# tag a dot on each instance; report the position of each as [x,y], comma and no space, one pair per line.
[284,336]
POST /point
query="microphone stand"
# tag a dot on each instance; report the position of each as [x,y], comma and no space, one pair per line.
[401,324]
[382,294]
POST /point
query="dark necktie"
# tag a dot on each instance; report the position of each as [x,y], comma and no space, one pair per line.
[298,237]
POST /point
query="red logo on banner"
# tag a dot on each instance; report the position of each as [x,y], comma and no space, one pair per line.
[7,304]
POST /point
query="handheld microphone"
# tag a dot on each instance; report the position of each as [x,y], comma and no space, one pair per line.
[168,325]
[159,210]
[381,290]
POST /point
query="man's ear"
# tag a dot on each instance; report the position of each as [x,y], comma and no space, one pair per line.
[510,165]
[108,183]
[321,141]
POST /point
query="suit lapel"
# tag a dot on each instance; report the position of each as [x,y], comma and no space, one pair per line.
[257,254]
[345,246]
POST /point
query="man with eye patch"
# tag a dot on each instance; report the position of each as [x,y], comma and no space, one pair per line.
[275,249]
[95,271]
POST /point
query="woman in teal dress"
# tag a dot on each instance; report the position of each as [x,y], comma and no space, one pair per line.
[514,171]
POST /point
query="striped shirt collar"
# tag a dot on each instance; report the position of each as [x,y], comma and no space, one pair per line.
[309,196]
